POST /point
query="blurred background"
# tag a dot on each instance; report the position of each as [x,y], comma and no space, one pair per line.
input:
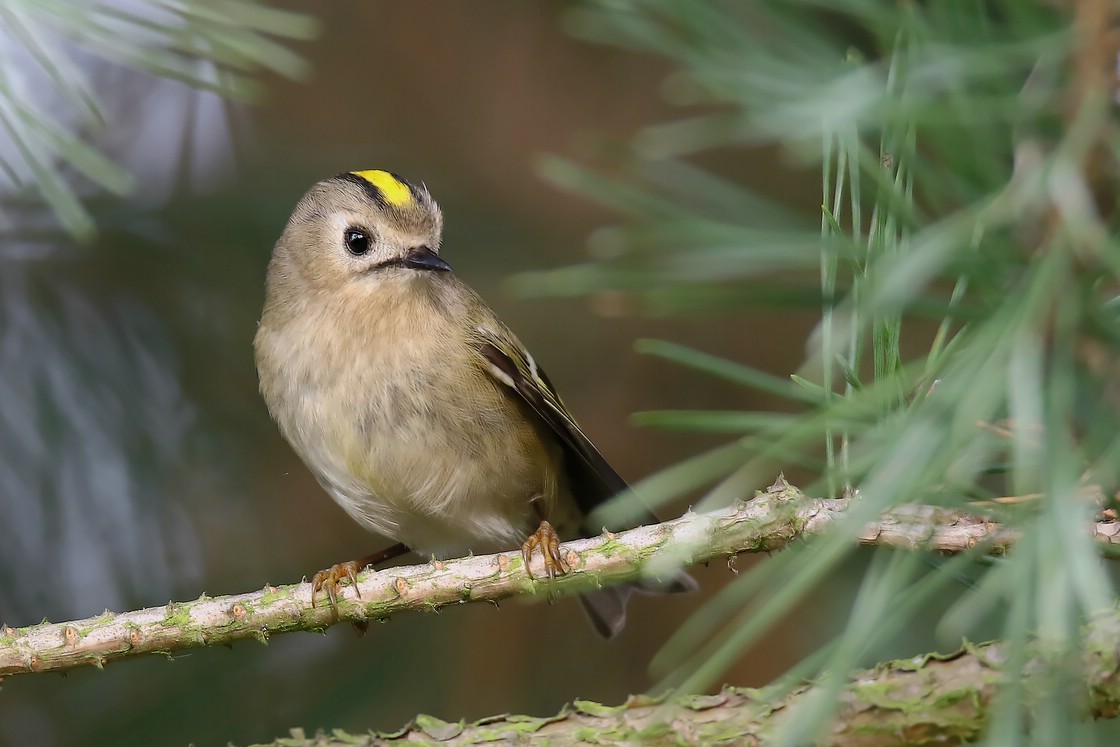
[138,464]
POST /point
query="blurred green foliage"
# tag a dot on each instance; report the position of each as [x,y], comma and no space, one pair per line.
[47,98]
[967,154]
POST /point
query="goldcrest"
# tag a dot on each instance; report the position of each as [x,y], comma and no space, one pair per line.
[412,404]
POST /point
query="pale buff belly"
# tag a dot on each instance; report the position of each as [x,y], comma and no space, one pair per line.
[444,491]
[440,468]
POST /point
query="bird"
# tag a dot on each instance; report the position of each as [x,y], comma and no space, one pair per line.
[414,406]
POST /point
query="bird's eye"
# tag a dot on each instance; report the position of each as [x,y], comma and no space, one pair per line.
[357,241]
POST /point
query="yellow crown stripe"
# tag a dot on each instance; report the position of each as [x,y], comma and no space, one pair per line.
[395,191]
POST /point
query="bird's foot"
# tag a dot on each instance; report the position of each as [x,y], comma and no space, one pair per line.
[548,542]
[330,579]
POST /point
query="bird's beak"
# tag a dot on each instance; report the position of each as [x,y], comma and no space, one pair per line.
[423,258]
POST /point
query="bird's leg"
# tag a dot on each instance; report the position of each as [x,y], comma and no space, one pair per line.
[548,541]
[331,578]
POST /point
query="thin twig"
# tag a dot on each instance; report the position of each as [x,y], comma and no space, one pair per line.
[931,699]
[770,521]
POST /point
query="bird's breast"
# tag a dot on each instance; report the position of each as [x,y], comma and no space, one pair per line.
[407,431]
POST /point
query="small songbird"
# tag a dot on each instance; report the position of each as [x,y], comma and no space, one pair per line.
[417,409]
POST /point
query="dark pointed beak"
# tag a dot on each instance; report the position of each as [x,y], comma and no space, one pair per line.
[423,258]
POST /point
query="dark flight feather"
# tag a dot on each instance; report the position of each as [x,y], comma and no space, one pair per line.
[592,479]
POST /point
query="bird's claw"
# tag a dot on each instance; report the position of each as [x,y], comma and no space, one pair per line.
[548,542]
[330,580]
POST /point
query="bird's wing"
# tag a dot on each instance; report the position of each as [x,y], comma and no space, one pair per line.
[593,480]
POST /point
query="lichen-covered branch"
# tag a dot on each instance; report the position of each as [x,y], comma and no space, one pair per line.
[932,700]
[768,522]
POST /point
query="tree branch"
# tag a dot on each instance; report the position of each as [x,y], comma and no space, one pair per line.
[770,521]
[924,700]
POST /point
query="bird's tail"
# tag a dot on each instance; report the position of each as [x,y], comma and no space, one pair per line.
[606,607]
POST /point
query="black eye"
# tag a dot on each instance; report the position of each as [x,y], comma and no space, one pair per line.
[357,241]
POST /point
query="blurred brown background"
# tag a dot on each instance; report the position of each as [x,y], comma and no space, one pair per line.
[463,97]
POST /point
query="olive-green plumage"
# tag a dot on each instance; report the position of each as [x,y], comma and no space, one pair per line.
[413,405]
